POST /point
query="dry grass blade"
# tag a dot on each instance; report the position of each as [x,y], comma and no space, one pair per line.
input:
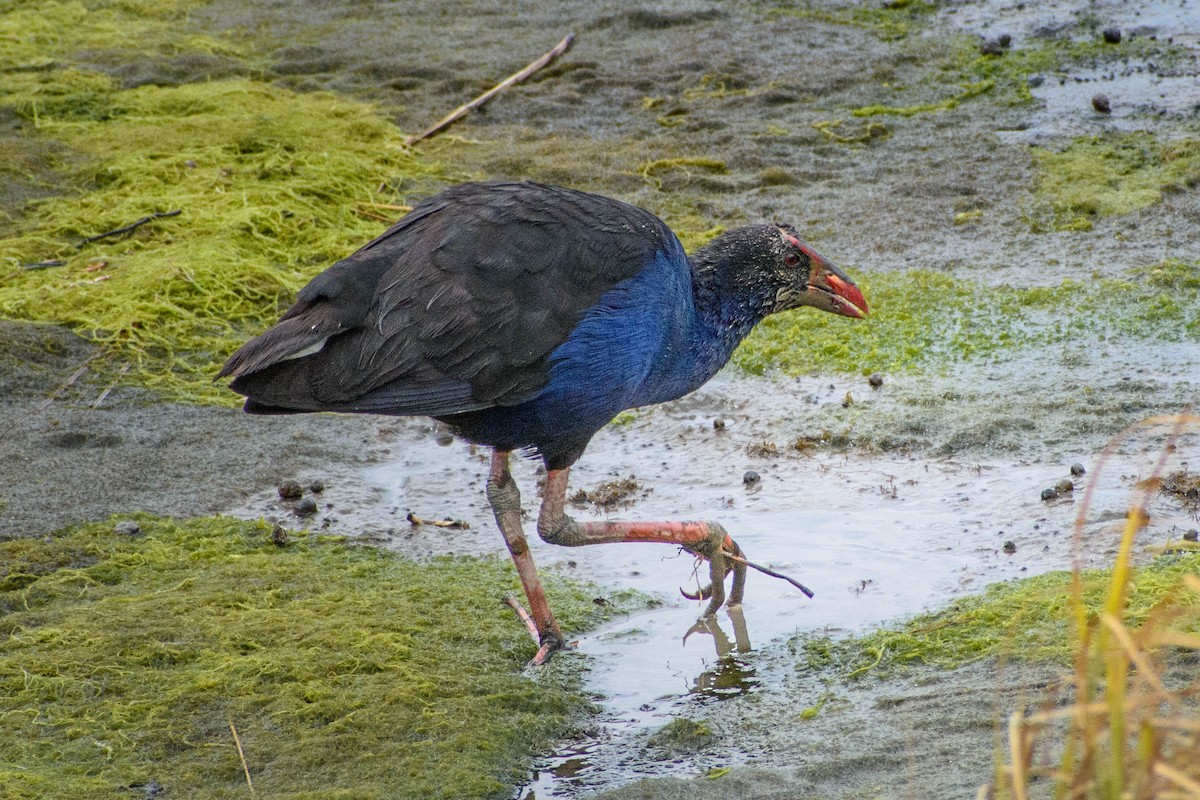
[1135,654]
[1191,787]
[1016,745]
[242,755]
[1117,742]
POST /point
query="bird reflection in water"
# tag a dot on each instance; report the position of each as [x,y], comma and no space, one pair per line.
[730,676]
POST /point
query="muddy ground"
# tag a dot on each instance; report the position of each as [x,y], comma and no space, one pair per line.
[877,535]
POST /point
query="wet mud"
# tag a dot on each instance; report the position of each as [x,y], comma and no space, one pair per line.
[922,490]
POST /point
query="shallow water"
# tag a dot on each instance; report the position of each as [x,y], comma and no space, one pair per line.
[876,537]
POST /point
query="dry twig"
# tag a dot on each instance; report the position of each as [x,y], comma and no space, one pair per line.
[764,570]
[523,615]
[457,524]
[111,386]
[242,755]
[62,387]
[130,227]
[517,77]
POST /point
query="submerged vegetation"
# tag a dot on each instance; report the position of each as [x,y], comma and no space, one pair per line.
[126,658]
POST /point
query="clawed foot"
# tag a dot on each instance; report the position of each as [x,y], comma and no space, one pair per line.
[549,641]
[724,556]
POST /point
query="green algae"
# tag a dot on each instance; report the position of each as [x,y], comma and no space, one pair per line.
[272,186]
[1029,619]
[1011,71]
[347,671]
[926,319]
[1100,176]
[683,735]
[832,129]
[651,170]
[888,21]
[969,91]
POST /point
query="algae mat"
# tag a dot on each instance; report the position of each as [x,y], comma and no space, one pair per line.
[346,671]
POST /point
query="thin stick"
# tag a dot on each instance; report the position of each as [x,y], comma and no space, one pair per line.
[54,262]
[130,227]
[111,386]
[523,615]
[242,755]
[807,592]
[1178,778]
[62,387]
[467,108]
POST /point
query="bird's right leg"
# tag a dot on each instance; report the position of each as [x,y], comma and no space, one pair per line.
[705,539]
[505,499]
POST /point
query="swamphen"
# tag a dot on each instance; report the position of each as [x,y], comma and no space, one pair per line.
[526,317]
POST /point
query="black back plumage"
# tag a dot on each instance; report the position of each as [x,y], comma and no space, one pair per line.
[455,308]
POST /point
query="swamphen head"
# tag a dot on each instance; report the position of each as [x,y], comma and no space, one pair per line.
[764,269]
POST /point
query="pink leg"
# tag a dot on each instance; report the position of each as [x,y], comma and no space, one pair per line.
[705,539]
[506,505]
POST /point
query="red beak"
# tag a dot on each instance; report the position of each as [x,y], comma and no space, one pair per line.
[832,290]
[847,300]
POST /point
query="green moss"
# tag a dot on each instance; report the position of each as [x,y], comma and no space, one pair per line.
[650,170]
[683,735]
[1173,274]
[272,187]
[36,37]
[832,129]
[889,21]
[969,91]
[1111,175]
[1010,72]
[347,671]
[927,319]
[1027,619]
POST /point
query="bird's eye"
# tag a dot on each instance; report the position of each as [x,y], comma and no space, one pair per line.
[791,259]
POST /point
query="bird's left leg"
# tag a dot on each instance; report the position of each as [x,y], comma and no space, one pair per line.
[706,539]
[506,505]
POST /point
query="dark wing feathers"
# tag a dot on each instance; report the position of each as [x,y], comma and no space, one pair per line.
[455,308]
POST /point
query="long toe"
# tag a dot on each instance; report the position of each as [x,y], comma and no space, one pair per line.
[551,643]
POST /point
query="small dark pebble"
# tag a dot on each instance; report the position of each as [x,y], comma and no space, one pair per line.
[445,438]
[876,380]
[316,487]
[290,490]
[279,536]
[1064,486]
[1034,81]
[1077,470]
[1004,40]
[718,424]
[1049,494]
[1101,104]
[1010,547]
[990,47]
[127,528]
[1192,535]
[751,477]
[306,507]
[1112,35]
